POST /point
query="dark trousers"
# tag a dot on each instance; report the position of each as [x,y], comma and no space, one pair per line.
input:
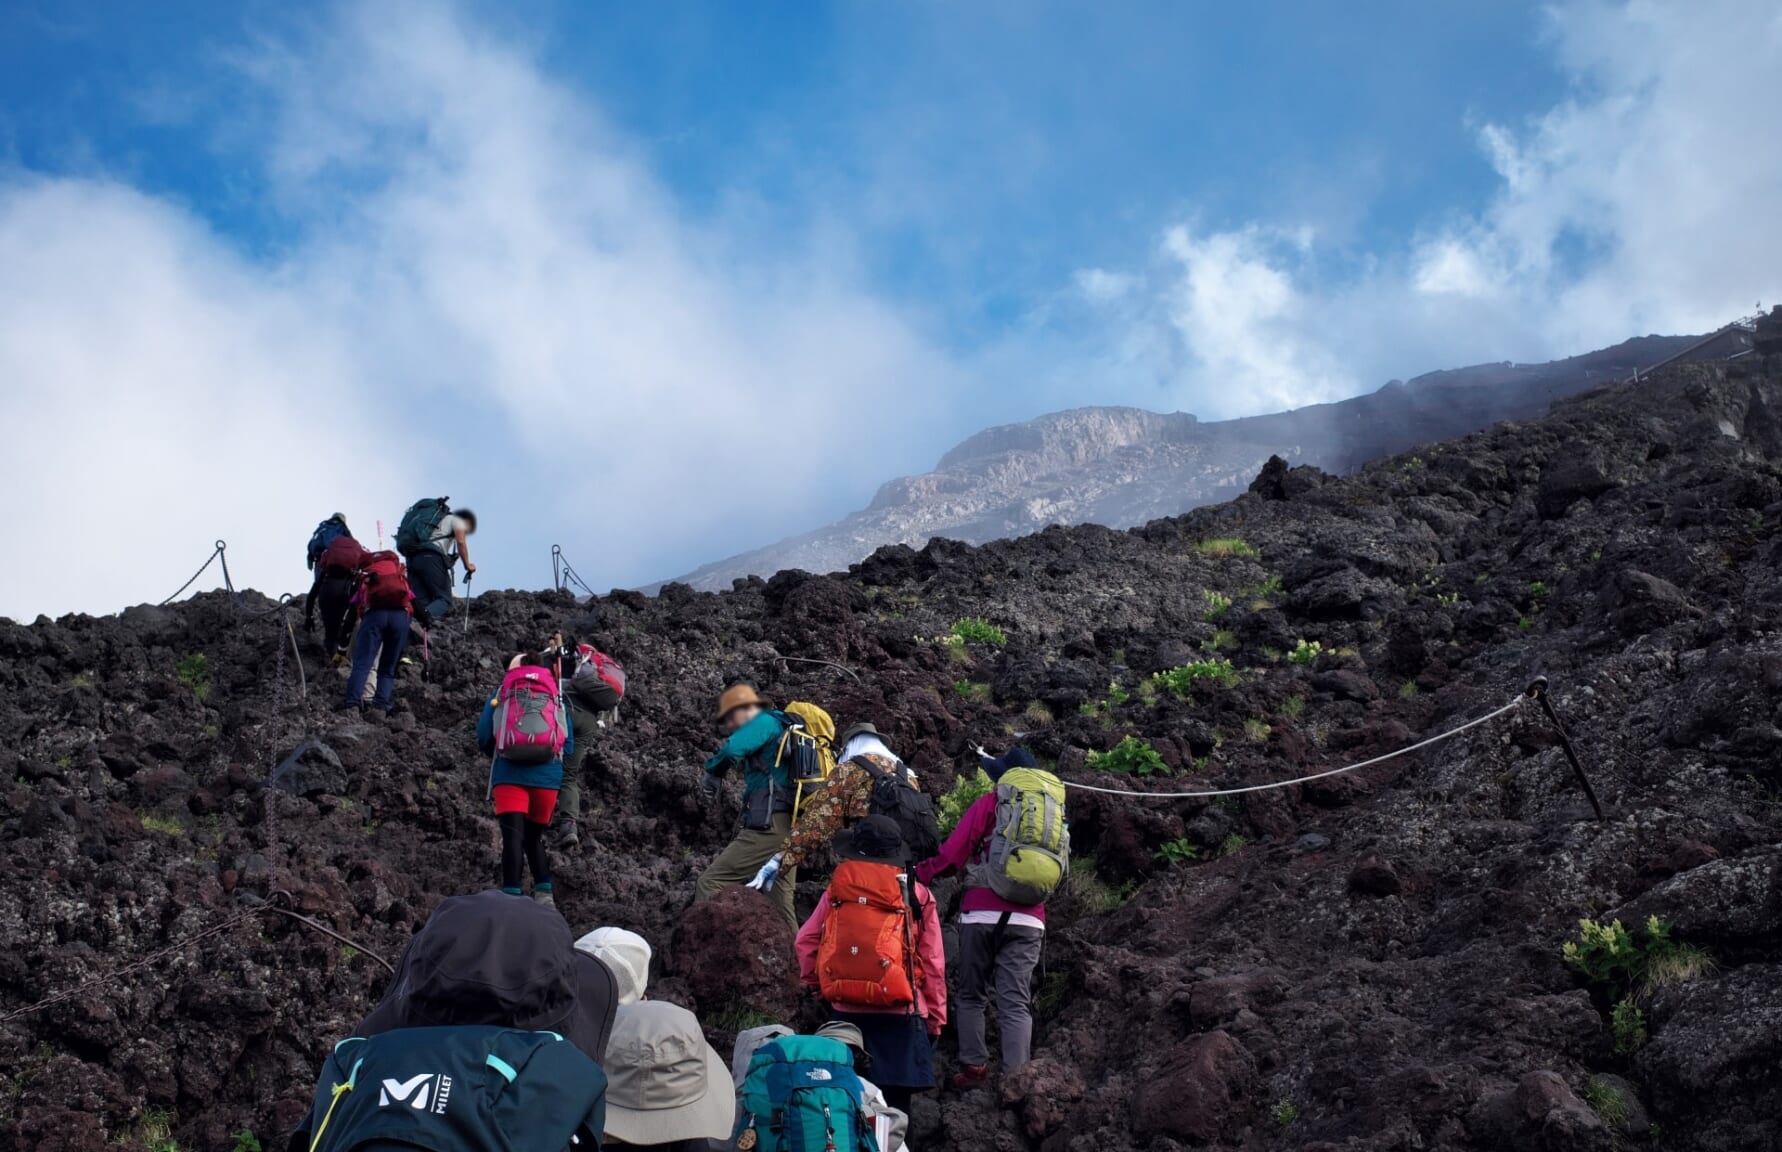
[385,628]
[430,579]
[587,728]
[334,592]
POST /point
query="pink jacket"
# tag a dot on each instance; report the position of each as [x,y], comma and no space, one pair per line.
[966,846]
[931,993]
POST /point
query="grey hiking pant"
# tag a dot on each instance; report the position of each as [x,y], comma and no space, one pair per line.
[1005,966]
[587,730]
[738,863]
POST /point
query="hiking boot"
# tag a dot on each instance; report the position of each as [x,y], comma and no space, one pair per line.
[970,1076]
[548,899]
[349,706]
[568,835]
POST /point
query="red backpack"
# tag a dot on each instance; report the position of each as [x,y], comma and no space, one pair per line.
[529,722]
[867,953]
[344,555]
[599,680]
[385,580]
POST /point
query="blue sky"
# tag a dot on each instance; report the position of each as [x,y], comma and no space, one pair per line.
[662,282]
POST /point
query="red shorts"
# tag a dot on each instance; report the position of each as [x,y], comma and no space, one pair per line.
[536,803]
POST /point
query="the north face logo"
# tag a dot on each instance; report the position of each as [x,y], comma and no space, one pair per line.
[427,1092]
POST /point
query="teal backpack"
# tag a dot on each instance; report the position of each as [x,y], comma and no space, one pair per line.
[419,523]
[801,1095]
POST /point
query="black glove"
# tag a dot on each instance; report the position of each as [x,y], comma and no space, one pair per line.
[712,786]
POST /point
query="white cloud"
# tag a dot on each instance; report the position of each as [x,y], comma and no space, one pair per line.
[488,296]
[1644,203]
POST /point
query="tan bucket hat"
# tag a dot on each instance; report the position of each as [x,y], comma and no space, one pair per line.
[737,696]
[664,1082]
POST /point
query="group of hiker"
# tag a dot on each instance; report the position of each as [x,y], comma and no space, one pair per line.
[495,1022]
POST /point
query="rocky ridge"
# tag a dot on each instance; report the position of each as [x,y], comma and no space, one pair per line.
[1371,961]
[1120,467]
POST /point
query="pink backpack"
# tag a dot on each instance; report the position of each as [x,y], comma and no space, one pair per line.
[599,680]
[529,724]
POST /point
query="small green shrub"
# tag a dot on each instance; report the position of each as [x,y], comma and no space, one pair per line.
[1628,1024]
[1305,652]
[1178,851]
[1233,844]
[1286,1112]
[1038,715]
[977,630]
[950,807]
[970,690]
[1049,1001]
[1526,623]
[1181,681]
[246,1141]
[1218,604]
[1224,640]
[1609,956]
[156,1130]
[1256,731]
[1293,706]
[1228,546]
[80,680]
[1538,589]
[1091,893]
[194,672]
[1408,690]
[165,825]
[1447,599]
[1117,695]
[1132,757]
[1268,588]
[1607,1099]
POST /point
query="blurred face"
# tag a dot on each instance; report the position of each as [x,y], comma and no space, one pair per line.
[739,716]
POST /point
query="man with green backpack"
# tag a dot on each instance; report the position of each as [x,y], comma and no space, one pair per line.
[432,537]
[1014,847]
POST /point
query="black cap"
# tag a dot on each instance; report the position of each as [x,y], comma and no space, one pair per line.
[875,840]
[1016,757]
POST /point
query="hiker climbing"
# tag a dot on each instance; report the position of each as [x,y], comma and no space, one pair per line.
[490,1034]
[385,606]
[758,738]
[806,1094]
[524,733]
[326,533]
[868,780]
[593,693]
[337,572]
[1014,847]
[668,1089]
[873,950]
[432,537]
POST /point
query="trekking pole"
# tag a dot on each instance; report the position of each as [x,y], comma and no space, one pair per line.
[467,577]
[1538,690]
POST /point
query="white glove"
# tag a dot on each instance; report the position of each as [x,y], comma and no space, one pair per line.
[763,881]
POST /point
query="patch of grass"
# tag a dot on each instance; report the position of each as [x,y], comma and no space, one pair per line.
[1093,894]
[1181,681]
[741,1018]
[951,806]
[1054,990]
[1117,695]
[348,953]
[80,680]
[1482,578]
[1272,655]
[1538,589]
[1676,964]
[1269,588]
[973,691]
[1526,623]
[1038,715]
[1292,707]
[1132,757]
[1256,730]
[1447,599]
[977,630]
[1628,1024]
[165,825]
[1233,844]
[1218,604]
[1610,956]
[1305,652]
[1223,640]
[194,672]
[1227,546]
[1146,691]
[1408,690]
[1178,851]
[155,1129]
[1607,1099]
[1286,1113]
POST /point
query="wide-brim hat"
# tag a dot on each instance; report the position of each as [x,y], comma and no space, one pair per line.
[627,954]
[664,1082]
[847,1033]
[875,840]
[739,696]
[861,728]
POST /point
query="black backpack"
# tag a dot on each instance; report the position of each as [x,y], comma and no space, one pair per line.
[456,1090]
[893,795]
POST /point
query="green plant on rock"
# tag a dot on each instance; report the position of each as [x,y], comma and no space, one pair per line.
[1628,1025]
[1611,957]
[155,1129]
[1292,707]
[1227,546]
[1132,757]
[1268,588]
[1089,892]
[1233,843]
[194,672]
[950,807]
[1256,731]
[245,1141]
[1038,715]
[1408,690]
[1608,1100]
[973,691]
[1218,604]
[1181,681]
[1286,1113]
[1305,652]
[165,825]
[1447,599]
[1538,589]
[1526,623]
[1178,851]
[1049,1001]
[1223,640]
[977,630]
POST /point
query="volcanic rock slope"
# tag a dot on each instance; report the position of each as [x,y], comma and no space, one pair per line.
[1370,961]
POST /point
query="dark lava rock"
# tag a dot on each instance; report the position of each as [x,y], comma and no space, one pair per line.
[1727,901]
[1202,1094]
[735,952]
[1711,1064]
[1542,1114]
[1043,1090]
[310,769]
[1373,876]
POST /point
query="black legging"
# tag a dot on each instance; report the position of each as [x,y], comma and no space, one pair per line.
[522,844]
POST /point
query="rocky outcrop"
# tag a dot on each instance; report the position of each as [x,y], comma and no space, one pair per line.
[1370,960]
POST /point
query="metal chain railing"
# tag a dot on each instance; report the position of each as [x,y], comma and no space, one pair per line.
[217,555]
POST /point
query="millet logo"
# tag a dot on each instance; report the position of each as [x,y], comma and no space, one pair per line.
[427,1092]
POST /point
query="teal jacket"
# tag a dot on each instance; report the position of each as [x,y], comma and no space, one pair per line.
[767,787]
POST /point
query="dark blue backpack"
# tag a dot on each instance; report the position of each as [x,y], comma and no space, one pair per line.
[802,1095]
[326,533]
[474,1089]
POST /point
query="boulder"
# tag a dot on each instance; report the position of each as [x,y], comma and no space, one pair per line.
[1732,901]
[1541,1114]
[735,952]
[310,769]
[1202,1094]
[1043,1090]
[1711,1065]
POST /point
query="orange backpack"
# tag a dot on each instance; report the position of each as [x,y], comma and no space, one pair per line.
[867,954]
